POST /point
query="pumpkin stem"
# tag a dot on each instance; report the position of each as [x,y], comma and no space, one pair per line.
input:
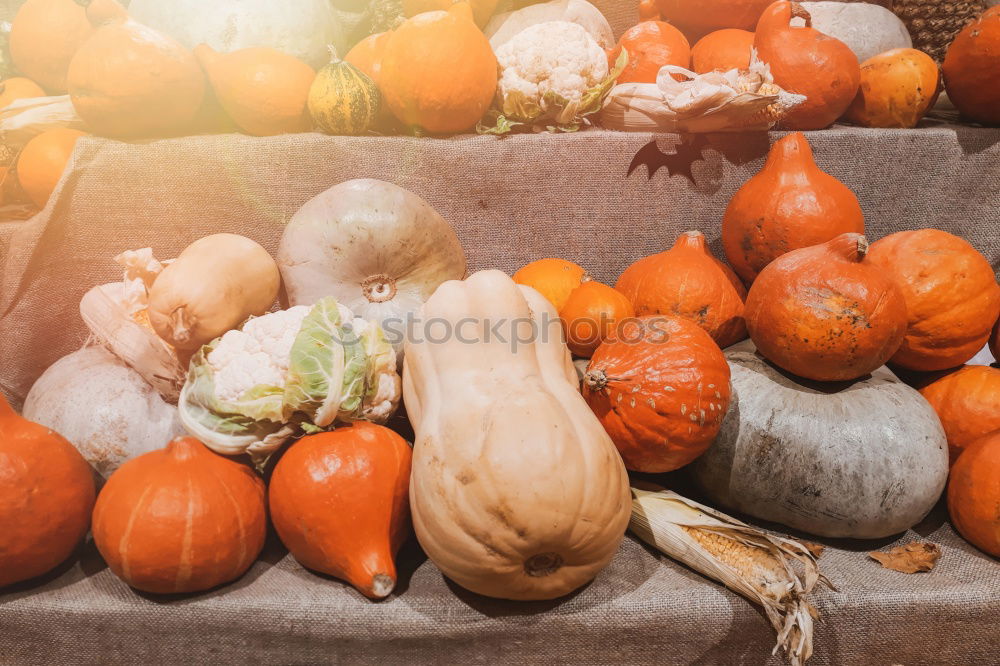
[798,11]
[379,288]
[851,246]
[595,380]
[334,58]
[691,239]
[383,585]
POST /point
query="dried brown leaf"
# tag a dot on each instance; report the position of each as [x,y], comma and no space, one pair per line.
[815,548]
[911,558]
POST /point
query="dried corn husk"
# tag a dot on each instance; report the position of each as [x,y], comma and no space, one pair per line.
[751,562]
[25,118]
[733,101]
[116,316]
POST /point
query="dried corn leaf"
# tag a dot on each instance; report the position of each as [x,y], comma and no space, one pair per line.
[25,118]
[914,557]
[815,548]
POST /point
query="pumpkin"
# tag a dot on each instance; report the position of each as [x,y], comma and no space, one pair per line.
[974,494]
[505,26]
[967,400]
[263,90]
[481,9]
[377,248]
[302,29]
[868,29]
[687,281]
[45,498]
[42,161]
[650,45]
[863,460]
[127,80]
[497,420]
[367,55]
[340,503]
[707,15]
[343,100]
[16,88]
[789,204]
[805,61]
[555,279]
[439,73]
[826,312]
[970,69]
[103,407]
[951,295]
[722,50]
[591,314]
[180,520]
[660,387]
[898,88]
[44,35]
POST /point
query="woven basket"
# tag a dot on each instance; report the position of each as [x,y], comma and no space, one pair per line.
[933,24]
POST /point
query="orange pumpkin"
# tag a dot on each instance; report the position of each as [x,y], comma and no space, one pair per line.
[722,50]
[898,88]
[555,279]
[16,88]
[972,69]
[180,520]
[807,62]
[651,45]
[439,73]
[43,38]
[481,9]
[826,312]
[128,80]
[46,497]
[706,15]
[967,400]
[43,160]
[687,281]
[660,387]
[974,494]
[367,55]
[591,314]
[995,341]
[789,205]
[951,294]
[340,503]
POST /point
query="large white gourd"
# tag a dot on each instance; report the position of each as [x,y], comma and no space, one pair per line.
[504,26]
[517,492]
[300,28]
[864,459]
[866,28]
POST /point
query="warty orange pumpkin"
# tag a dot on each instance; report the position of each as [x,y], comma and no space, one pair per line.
[974,494]
[967,400]
[826,312]
[46,498]
[180,520]
[722,50]
[650,45]
[971,69]
[951,294]
[44,35]
[340,503]
[898,88]
[789,204]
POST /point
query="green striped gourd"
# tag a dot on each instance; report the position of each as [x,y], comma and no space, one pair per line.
[343,100]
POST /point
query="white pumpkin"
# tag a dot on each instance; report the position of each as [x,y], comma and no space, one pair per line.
[108,412]
[866,28]
[377,248]
[300,28]
[504,26]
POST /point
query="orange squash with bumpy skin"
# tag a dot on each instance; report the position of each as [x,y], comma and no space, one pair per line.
[805,61]
[789,205]
[661,389]
[722,50]
[44,35]
[972,69]
[687,281]
[180,520]
[967,400]
[951,294]
[974,494]
[339,501]
[650,46]
[46,497]
[826,312]
[898,88]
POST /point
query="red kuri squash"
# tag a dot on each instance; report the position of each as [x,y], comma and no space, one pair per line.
[967,400]
[722,50]
[706,15]
[591,315]
[972,69]
[650,46]
[974,494]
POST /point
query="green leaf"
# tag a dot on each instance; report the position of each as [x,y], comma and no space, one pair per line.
[316,364]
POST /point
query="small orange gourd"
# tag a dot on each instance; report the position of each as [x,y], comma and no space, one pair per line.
[967,400]
[789,205]
[951,294]
[898,88]
[180,520]
[439,73]
[46,497]
[971,69]
[339,501]
[44,35]
[805,61]
[826,312]
[687,281]
[555,279]
[722,50]
[592,313]
[18,87]
[650,46]
[43,160]
[974,494]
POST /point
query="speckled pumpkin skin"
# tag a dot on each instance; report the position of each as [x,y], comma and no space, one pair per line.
[967,400]
[974,494]
[898,88]
[660,388]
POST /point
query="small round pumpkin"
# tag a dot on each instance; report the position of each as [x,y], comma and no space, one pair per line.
[18,87]
[826,312]
[482,10]
[687,281]
[972,69]
[706,15]
[898,88]
[46,497]
[974,494]
[44,35]
[555,279]
[180,520]
[42,161]
[951,294]
[722,51]
[650,45]
[343,99]
[660,387]
[591,314]
[967,400]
